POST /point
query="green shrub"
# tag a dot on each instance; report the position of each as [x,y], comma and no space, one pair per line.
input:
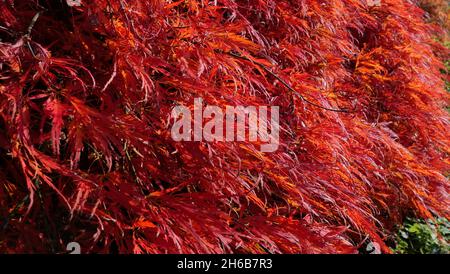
[424,237]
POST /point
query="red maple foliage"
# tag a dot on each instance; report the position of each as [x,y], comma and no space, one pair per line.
[86,89]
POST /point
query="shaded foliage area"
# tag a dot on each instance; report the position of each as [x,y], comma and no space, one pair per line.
[438,11]
[85,148]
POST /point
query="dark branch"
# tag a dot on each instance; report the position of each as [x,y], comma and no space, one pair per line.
[286,84]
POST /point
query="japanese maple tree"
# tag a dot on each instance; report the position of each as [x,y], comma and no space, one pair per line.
[86,155]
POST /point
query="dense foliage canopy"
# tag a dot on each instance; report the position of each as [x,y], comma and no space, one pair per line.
[87,87]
